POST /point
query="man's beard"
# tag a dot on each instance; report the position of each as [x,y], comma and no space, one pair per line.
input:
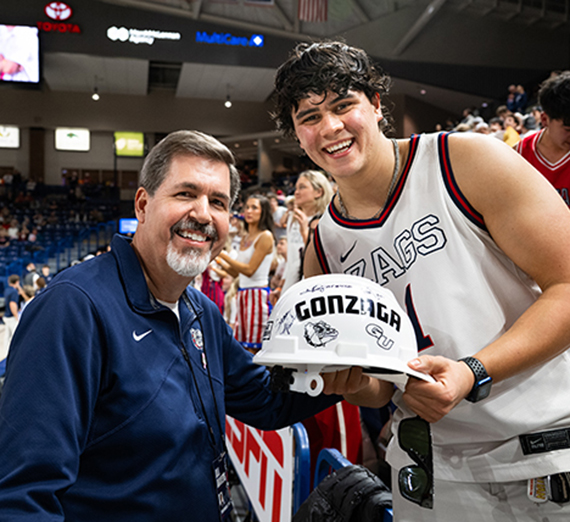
[191,261]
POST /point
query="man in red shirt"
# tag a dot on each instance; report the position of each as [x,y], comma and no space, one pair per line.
[549,149]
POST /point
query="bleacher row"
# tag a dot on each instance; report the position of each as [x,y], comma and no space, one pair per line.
[58,246]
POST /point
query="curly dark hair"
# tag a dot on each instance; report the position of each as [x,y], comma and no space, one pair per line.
[320,67]
[554,97]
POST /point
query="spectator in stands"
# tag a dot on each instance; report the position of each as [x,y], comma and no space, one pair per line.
[511,98]
[4,240]
[528,127]
[251,266]
[511,136]
[277,211]
[33,235]
[12,306]
[502,111]
[26,292]
[313,192]
[549,150]
[39,286]
[497,127]
[536,112]
[23,233]
[14,229]
[278,277]
[521,99]
[482,128]
[31,275]
[46,273]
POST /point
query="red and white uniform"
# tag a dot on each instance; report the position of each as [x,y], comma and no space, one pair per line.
[431,248]
[253,306]
[557,173]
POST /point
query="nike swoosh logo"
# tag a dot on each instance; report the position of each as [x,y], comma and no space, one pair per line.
[344,257]
[138,337]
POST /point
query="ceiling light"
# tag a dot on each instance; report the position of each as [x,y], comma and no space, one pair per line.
[228,102]
[95,96]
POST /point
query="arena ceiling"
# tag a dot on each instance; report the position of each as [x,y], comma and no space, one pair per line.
[450,53]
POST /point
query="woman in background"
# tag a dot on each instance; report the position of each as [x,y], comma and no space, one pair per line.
[313,192]
[252,265]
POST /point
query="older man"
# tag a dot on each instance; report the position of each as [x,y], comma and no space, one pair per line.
[114,402]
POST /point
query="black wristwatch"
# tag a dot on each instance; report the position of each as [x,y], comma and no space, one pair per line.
[482,386]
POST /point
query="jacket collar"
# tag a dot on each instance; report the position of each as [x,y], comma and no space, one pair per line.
[134,281]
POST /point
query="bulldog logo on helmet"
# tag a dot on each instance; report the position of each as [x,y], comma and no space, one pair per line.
[319,334]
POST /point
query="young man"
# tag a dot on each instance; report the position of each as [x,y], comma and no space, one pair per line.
[475,244]
[119,378]
[549,150]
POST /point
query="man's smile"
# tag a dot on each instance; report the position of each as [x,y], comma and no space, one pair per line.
[342,146]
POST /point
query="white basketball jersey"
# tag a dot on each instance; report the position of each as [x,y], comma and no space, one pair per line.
[431,248]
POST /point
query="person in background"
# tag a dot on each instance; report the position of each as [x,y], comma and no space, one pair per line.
[252,266]
[511,136]
[27,293]
[46,273]
[277,211]
[278,279]
[497,128]
[313,193]
[12,307]
[31,274]
[549,149]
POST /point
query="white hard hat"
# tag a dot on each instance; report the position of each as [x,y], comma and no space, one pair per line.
[335,321]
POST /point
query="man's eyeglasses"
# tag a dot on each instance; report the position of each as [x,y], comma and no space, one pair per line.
[416,481]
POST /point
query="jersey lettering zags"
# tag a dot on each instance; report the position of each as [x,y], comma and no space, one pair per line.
[422,239]
[431,248]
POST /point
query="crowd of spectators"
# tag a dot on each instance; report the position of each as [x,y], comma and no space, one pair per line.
[517,117]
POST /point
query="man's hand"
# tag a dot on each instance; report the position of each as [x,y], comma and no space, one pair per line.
[358,388]
[432,401]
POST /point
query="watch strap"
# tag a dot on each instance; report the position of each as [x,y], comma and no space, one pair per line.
[481,378]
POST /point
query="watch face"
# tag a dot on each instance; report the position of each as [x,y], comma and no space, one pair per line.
[482,390]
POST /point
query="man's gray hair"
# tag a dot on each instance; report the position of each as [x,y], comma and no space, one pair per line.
[195,143]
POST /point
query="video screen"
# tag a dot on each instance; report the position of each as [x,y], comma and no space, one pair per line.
[72,139]
[128,225]
[129,144]
[19,54]
[9,137]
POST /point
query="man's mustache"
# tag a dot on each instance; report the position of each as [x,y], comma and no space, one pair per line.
[189,224]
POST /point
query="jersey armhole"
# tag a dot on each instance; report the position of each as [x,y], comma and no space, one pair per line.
[451,185]
[319,251]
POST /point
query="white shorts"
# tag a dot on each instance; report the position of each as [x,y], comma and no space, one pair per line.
[473,502]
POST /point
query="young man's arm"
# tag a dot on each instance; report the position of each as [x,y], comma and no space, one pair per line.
[529,221]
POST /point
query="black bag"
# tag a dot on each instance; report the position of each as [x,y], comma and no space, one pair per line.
[351,494]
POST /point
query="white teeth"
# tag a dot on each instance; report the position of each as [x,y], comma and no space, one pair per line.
[339,146]
[192,235]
